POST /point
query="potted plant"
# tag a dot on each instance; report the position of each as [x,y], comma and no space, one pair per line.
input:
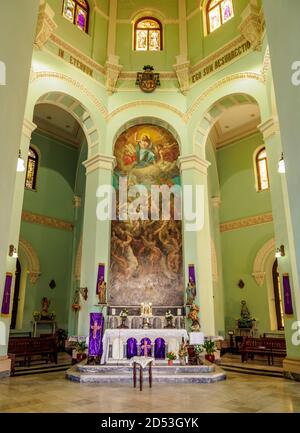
[36,316]
[80,348]
[210,349]
[171,357]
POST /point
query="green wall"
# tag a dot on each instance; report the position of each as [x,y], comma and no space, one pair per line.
[57,173]
[240,247]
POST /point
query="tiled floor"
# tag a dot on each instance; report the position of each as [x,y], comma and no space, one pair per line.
[50,392]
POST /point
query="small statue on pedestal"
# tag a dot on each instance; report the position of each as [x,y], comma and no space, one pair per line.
[193,316]
[102,291]
[245,320]
[190,292]
[45,315]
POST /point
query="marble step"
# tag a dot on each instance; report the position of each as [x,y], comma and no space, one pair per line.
[160,369]
[210,377]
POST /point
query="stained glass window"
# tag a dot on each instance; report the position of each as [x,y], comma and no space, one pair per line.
[77,12]
[32,166]
[218,13]
[148,35]
[262,170]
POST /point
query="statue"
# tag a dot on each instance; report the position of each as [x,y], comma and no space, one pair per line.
[45,315]
[190,292]
[193,316]
[102,291]
[245,320]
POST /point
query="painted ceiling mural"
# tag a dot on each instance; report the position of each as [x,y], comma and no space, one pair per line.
[146,255]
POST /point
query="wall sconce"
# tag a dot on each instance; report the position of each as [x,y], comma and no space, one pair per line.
[21,164]
[280,252]
[84,292]
[13,252]
[281,165]
[241,284]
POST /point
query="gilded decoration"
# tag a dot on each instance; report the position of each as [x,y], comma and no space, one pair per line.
[146,255]
[246,222]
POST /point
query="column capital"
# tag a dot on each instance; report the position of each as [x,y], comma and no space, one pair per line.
[193,162]
[100,161]
[45,25]
[76,201]
[28,128]
[270,127]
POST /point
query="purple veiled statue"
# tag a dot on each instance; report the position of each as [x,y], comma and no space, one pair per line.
[131,348]
[146,348]
[159,348]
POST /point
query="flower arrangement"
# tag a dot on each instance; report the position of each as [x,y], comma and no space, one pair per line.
[183,352]
[124,313]
[171,356]
[81,346]
[198,349]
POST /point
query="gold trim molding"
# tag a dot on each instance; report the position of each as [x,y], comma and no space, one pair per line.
[47,221]
[246,222]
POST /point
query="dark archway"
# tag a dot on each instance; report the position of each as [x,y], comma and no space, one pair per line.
[16,296]
[278,296]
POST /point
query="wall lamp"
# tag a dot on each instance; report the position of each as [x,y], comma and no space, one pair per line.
[281,165]
[13,252]
[280,252]
[21,164]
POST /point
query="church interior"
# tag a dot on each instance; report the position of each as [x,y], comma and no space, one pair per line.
[149,219]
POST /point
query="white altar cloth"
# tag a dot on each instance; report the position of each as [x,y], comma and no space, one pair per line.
[118,338]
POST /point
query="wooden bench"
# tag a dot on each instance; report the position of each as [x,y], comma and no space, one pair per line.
[26,348]
[271,347]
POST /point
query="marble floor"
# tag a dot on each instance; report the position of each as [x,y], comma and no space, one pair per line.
[51,392]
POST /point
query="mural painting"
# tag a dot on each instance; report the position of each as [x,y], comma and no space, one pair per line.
[146,255]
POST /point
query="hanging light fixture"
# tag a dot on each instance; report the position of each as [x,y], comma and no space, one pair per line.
[13,252]
[21,164]
[281,165]
[280,252]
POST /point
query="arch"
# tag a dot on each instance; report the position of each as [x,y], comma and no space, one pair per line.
[32,260]
[259,265]
[147,120]
[78,261]
[60,89]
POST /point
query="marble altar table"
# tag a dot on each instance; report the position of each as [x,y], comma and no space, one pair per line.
[115,340]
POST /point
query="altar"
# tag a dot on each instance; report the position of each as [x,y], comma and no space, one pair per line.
[115,341]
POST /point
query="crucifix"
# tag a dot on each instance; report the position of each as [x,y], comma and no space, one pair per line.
[95,328]
[145,348]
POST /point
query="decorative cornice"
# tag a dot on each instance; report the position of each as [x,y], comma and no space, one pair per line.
[182,69]
[193,162]
[77,53]
[259,266]
[246,222]
[270,127]
[33,262]
[47,221]
[113,70]
[252,26]
[266,63]
[100,161]
[28,128]
[45,25]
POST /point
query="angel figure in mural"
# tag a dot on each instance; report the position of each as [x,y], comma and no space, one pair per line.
[150,246]
[144,151]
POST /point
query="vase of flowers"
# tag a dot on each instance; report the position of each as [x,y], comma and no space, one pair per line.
[210,349]
[123,316]
[36,316]
[171,357]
